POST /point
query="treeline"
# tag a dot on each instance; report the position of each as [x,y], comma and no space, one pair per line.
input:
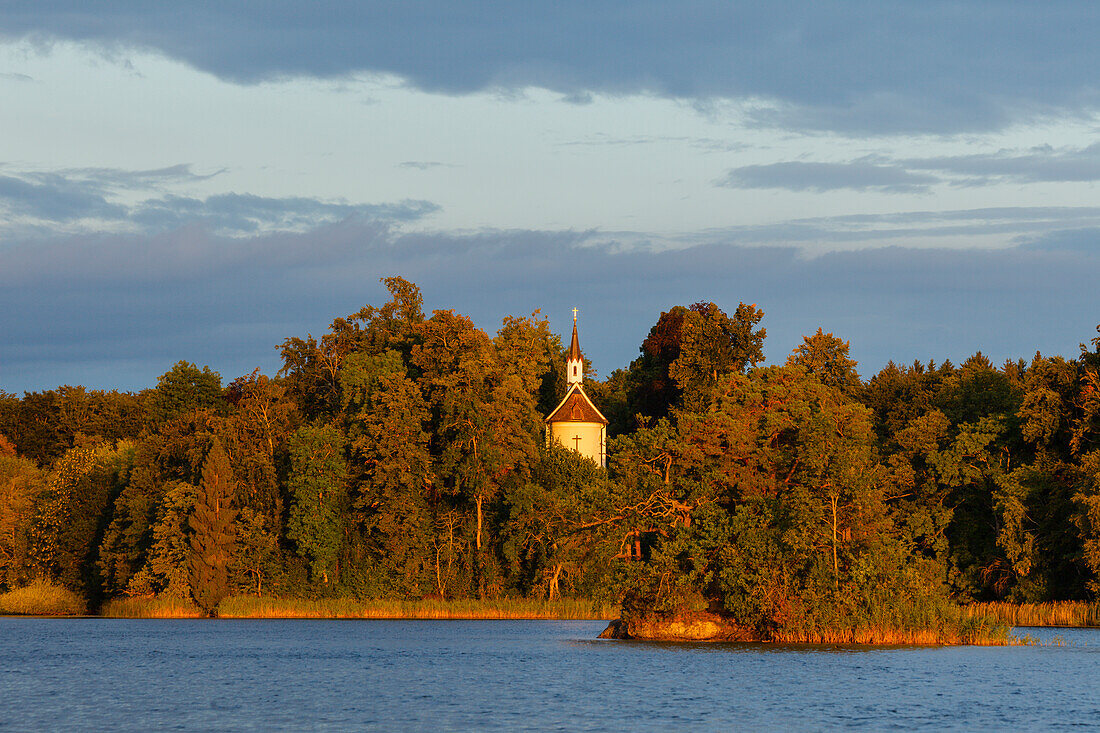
[403,456]
[398,456]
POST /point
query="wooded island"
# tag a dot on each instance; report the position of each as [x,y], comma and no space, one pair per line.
[402,456]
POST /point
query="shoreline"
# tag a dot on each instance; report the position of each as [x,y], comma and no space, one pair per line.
[56,602]
[248,607]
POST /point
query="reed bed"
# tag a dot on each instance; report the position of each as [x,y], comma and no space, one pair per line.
[150,607]
[504,608]
[927,623]
[1055,613]
[42,598]
[992,635]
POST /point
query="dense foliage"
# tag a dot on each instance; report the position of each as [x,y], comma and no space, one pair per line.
[402,455]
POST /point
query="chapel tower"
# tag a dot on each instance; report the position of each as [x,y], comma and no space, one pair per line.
[576,423]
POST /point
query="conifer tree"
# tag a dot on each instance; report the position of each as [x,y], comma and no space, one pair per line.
[826,357]
[212,530]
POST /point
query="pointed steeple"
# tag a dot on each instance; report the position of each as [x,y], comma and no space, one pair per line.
[575,344]
[574,362]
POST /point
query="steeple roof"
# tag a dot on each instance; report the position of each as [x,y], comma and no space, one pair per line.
[574,345]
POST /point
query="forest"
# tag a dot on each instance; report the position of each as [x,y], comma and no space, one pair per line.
[403,456]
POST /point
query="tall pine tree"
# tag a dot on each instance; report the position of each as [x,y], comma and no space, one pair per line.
[212,535]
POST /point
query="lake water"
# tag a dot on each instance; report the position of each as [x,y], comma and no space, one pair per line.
[101,674]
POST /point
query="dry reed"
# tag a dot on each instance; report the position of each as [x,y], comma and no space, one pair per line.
[505,608]
[993,635]
[150,607]
[928,623]
[1055,613]
[42,598]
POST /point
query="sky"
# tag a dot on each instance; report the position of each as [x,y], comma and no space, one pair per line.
[199,181]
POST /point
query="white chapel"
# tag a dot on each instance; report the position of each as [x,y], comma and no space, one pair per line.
[576,423]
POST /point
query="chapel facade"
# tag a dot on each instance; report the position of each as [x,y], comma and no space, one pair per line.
[576,423]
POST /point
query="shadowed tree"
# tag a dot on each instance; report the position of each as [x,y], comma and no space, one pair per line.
[390,467]
[562,528]
[185,389]
[168,568]
[256,559]
[255,437]
[316,485]
[650,390]
[74,512]
[172,451]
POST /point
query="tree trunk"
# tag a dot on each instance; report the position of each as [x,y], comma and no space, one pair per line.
[552,591]
[479,516]
[836,567]
[479,557]
[438,578]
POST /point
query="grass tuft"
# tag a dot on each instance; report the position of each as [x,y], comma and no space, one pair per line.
[42,598]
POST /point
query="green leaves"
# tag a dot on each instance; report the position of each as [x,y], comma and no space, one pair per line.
[826,357]
[185,389]
[712,345]
[316,485]
[764,500]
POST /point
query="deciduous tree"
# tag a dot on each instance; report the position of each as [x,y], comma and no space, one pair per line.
[317,484]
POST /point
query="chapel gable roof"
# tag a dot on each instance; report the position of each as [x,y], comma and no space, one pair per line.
[576,407]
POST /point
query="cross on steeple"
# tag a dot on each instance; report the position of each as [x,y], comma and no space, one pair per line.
[574,315]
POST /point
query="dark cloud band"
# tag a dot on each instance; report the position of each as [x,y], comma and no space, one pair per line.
[117,312]
[868,66]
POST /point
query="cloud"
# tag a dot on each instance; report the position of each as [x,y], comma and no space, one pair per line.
[55,198]
[1041,164]
[938,66]
[578,98]
[118,178]
[424,165]
[81,193]
[236,214]
[1086,240]
[810,176]
[122,310]
[87,199]
[812,236]
[709,144]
